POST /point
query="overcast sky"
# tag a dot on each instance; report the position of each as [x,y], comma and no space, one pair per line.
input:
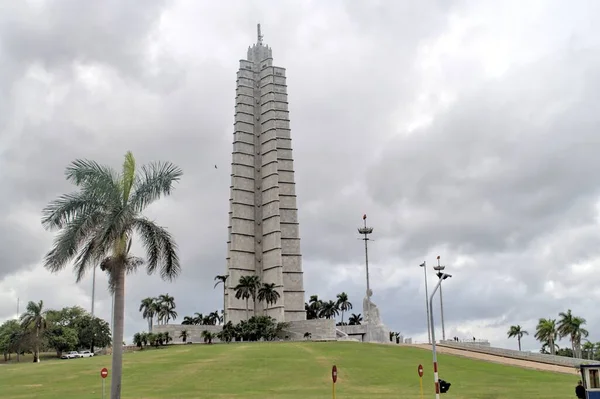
[465,129]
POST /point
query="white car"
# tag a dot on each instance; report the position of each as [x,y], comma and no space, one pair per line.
[70,355]
[86,354]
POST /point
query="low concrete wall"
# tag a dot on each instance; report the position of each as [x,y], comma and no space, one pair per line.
[468,343]
[194,331]
[321,329]
[515,354]
[353,330]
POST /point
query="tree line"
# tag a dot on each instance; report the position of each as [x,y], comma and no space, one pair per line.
[319,309]
[38,329]
[256,328]
[549,331]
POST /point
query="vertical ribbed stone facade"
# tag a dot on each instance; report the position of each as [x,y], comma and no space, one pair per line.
[264,237]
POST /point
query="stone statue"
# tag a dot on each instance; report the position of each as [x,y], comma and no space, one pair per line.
[371,311]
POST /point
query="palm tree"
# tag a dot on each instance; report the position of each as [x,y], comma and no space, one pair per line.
[546,333]
[35,318]
[198,318]
[269,294]
[517,331]
[313,307]
[183,335]
[213,318]
[329,310]
[588,347]
[148,308]
[343,304]
[355,319]
[187,321]
[97,224]
[222,279]
[165,313]
[571,326]
[166,308]
[246,289]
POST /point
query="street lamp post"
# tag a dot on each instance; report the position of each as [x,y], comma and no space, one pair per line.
[439,273]
[436,380]
[366,231]
[424,266]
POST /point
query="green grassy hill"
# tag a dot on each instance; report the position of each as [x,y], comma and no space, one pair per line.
[299,370]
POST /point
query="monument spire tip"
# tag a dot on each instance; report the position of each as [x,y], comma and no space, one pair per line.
[260,36]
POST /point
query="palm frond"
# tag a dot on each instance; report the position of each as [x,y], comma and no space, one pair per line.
[116,229]
[95,179]
[128,175]
[67,207]
[88,257]
[156,180]
[161,249]
[70,238]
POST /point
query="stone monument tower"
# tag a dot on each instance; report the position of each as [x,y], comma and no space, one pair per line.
[263,233]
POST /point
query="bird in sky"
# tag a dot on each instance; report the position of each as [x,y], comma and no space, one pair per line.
[215,166]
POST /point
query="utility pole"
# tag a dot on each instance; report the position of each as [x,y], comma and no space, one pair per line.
[366,231]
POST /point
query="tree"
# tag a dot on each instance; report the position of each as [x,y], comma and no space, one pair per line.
[62,339]
[355,319]
[313,307]
[546,333]
[222,279]
[183,335]
[187,321]
[148,308]
[343,304]
[35,318]
[212,318]
[166,308]
[198,318]
[246,289]
[518,332]
[93,332]
[588,348]
[572,326]
[96,224]
[66,317]
[329,310]
[268,294]
[207,336]
[11,333]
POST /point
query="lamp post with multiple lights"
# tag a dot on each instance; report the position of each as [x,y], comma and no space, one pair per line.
[365,231]
[442,277]
[439,269]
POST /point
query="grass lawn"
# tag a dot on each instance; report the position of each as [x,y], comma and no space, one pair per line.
[299,370]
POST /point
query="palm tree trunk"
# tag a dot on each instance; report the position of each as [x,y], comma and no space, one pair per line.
[36,354]
[519,340]
[117,355]
[342,318]
[149,324]
[246,309]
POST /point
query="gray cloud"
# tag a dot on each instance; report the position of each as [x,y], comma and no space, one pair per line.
[500,183]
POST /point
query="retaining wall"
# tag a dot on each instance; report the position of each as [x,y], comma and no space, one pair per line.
[515,354]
